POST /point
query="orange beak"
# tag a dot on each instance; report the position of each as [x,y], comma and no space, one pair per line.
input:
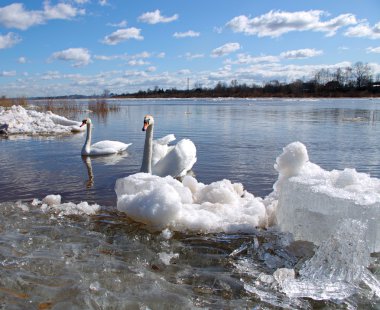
[146,124]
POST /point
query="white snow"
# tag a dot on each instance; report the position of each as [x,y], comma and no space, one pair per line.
[24,121]
[53,203]
[189,206]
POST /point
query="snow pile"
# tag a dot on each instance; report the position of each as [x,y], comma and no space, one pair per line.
[22,121]
[311,201]
[53,203]
[167,203]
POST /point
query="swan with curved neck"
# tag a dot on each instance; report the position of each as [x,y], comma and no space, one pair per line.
[105,147]
[161,159]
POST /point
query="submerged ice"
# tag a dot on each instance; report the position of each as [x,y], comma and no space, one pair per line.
[19,120]
[336,270]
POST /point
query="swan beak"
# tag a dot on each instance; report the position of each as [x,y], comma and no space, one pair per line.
[146,124]
[82,124]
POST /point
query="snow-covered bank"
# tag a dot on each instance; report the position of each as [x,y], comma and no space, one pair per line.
[22,121]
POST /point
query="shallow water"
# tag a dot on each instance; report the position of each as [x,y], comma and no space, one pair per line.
[105,261]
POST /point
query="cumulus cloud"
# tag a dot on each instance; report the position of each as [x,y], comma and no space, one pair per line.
[225,49]
[155,17]
[186,34]
[277,23]
[7,73]
[364,31]
[245,59]
[301,53]
[190,56]
[121,24]
[8,40]
[121,35]
[21,60]
[78,56]
[373,49]
[137,62]
[16,16]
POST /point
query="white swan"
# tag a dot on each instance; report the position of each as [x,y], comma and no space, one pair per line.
[161,159]
[105,147]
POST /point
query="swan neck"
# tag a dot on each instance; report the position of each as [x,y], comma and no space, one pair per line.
[146,165]
[87,144]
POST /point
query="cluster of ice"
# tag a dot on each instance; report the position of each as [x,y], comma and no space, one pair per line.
[19,120]
[189,205]
[336,269]
[54,203]
[311,200]
[307,201]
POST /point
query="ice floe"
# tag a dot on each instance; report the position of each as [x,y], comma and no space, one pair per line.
[19,120]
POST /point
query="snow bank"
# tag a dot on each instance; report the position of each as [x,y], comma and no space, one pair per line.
[22,121]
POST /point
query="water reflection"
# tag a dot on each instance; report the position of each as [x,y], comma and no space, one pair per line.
[87,162]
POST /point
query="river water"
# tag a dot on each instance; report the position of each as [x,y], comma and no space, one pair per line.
[106,261]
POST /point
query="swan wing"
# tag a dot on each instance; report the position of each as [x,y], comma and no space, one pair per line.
[161,148]
[108,147]
[178,161]
[165,140]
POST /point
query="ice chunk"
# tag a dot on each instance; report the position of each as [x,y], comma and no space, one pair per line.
[312,200]
[167,203]
[19,120]
[336,269]
[53,203]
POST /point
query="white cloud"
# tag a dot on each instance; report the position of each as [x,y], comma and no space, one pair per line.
[186,34]
[225,49]
[301,53]
[190,56]
[248,59]
[161,55]
[78,56]
[373,49]
[121,24]
[16,16]
[21,60]
[364,31]
[276,23]
[151,69]
[103,2]
[7,73]
[137,62]
[8,40]
[155,17]
[121,35]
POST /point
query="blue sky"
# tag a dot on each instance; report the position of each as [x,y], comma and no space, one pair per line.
[50,48]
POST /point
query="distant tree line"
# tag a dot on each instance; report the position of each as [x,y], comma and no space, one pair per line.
[355,81]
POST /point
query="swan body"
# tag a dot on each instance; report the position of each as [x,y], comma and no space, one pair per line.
[105,147]
[162,159]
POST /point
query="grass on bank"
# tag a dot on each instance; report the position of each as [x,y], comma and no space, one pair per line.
[65,107]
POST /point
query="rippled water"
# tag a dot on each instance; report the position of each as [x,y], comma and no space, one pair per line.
[105,261]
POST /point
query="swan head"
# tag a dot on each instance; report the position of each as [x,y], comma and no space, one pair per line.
[148,121]
[85,121]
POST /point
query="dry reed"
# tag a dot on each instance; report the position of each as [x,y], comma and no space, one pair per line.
[8,102]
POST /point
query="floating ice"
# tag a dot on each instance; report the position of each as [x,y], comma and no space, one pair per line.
[167,203]
[336,269]
[53,203]
[310,200]
[23,121]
